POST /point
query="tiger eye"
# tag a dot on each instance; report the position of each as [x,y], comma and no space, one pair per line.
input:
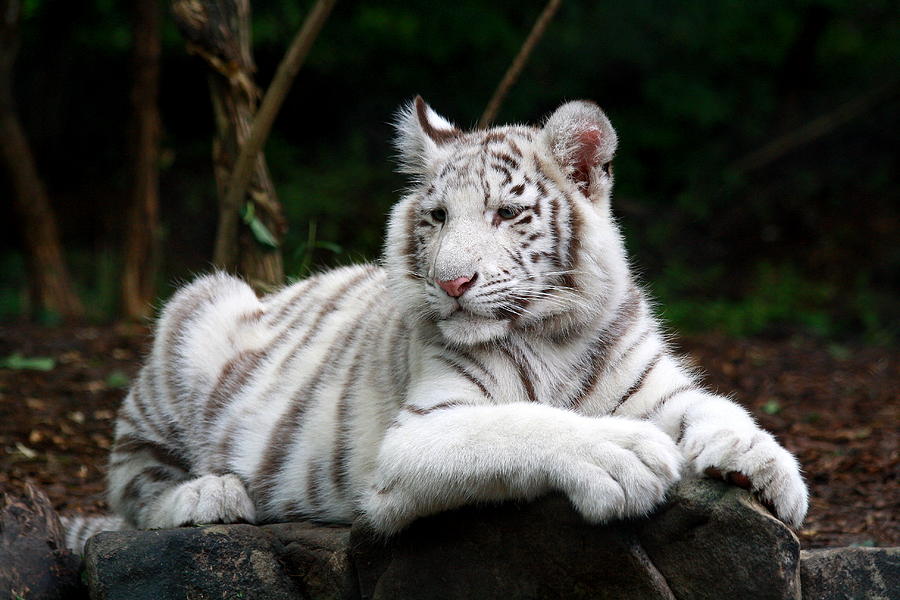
[507,212]
[439,215]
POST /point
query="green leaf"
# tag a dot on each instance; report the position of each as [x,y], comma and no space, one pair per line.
[772,407]
[257,227]
[18,362]
[330,246]
[262,233]
[248,213]
[117,379]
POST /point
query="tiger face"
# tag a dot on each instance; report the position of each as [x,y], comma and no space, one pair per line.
[491,236]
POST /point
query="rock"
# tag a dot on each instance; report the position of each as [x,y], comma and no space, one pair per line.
[845,573]
[716,541]
[217,561]
[711,540]
[541,549]
[318,558]
[34,562]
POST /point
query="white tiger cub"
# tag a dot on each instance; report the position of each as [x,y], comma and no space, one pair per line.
[502,350]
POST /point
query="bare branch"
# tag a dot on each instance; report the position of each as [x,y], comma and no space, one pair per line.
[512,74]
[262,124]
[813,130]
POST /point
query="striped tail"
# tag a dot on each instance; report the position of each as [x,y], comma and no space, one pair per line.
[80,528]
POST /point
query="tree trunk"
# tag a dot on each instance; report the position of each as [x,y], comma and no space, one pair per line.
[142,240]
[219,32]
[50,286]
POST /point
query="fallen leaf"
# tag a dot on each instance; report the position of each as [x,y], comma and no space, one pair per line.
[25,450]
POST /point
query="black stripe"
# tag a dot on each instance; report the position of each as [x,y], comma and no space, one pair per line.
[133,489]
[303,290]
[658,405]
[524,374]
[427,411]
[568,279]
[506,158]
[598,354]
[136,400]
[183,312]
[325,308]
[314,484]
[464,354]
[493,136]
[682,429]
[465,373]
[222,457]
[639,383]
[284,432]
[232,378]
[130,443]
[523,220]
[634,346]
[411,248]
[339,472]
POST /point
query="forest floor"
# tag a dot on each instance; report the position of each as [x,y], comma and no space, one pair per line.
[835,407]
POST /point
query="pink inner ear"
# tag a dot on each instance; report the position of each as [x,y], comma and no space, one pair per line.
[586,158]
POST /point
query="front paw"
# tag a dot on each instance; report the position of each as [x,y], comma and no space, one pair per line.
[207,499]
[387,509]
[625,470]
[751,458]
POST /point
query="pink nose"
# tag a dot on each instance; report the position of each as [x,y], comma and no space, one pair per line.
[456,287]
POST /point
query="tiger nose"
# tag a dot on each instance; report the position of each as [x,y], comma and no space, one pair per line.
[456,287]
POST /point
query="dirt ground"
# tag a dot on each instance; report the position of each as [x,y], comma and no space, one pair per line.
[836,407]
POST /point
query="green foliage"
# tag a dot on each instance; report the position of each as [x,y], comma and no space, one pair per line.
[304,252]
[17,362]
[776,298]
[804,244]
[259,230]
[772,407]
[117,379]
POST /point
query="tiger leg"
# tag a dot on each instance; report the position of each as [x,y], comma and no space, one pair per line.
[155,495]
[152,483]
[609,467]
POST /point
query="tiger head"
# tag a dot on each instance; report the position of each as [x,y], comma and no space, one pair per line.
[507,228]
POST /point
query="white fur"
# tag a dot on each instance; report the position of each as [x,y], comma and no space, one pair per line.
[206,499]
[370,391]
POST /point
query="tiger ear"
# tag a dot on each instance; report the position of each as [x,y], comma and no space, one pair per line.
[583,143]
[421,133]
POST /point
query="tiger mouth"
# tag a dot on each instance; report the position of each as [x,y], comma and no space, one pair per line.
[462,312]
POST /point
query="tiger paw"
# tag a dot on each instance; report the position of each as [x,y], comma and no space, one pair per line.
[207,499]
[388,509]
[625,470]
[750,458]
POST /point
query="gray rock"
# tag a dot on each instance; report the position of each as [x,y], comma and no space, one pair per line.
[541,549]
[34,561]
[318,558]
[716,541]
[711,540]
[851,573]
[218,561]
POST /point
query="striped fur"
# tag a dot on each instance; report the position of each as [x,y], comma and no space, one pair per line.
[369,391]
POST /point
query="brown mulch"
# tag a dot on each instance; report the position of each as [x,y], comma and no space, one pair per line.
[836,407]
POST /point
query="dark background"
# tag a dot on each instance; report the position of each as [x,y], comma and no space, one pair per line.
[800,243]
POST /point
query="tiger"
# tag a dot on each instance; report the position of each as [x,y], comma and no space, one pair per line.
[501,349]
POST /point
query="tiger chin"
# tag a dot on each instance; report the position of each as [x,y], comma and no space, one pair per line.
[501,349]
